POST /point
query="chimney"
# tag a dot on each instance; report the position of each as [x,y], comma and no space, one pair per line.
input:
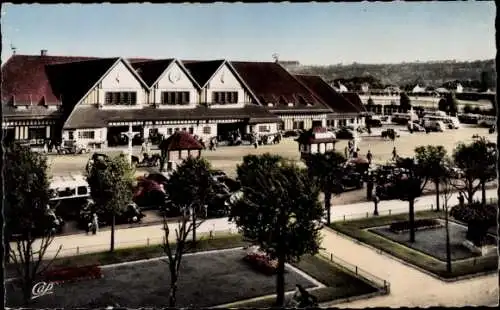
[43,52]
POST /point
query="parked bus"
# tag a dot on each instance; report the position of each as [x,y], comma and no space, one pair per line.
[69,193]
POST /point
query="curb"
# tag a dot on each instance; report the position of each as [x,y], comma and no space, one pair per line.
[327,304]
[387,254]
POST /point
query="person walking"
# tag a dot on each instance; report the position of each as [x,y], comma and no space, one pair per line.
[369,157]
[461,199]
[394,154]
[95,224]
[346,152]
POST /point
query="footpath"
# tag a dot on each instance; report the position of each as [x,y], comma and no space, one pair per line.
[409,286]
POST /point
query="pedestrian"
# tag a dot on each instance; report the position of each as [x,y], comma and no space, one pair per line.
[355,153]
[369,157]
[376,200]
[346,152]
[95,224]
[461,199]
[45,147]
[394,154]
[143,147]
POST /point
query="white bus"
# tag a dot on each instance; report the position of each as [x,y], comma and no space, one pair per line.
[65,187]
[451,122]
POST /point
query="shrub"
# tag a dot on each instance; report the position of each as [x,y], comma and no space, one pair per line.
[398,227]
[73,274]
[478,217]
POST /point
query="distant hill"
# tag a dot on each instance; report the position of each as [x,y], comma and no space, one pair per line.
[434,73]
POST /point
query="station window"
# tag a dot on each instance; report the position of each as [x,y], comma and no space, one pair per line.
[121,98]
[88,134]
[207,130]
[169,131]
[191,130]
[174,97]
[220,97]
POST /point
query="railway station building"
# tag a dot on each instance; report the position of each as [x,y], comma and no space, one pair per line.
[93,100]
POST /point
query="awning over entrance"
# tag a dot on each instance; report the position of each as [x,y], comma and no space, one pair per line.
[92,117]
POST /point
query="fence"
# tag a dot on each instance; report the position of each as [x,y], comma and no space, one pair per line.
[142,242]
[382,284]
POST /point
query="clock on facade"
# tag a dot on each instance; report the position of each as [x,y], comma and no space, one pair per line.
[174,76]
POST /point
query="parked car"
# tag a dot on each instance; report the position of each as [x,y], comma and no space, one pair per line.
[390,133]
[492,129]
[147,160]
[72,147]
[149,194]
[373,122]
[415,128]
[291,133]
[344,133]
[131,214]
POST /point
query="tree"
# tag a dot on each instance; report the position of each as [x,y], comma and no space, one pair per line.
[26,199]
[432,160]
[479,218]
[175,253]
[111,182]
[477,162]
[404,101]
[410,187]
[327,171]
[192,184]
[279,210]
[370,101]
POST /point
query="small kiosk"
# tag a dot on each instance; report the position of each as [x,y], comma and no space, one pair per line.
[316,140]
[178,147]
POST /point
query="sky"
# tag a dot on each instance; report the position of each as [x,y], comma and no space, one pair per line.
[311,33]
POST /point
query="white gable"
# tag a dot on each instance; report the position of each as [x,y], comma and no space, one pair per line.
[174,78]
[224,79]
[120,77]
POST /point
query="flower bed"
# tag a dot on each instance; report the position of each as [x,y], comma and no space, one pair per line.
[261,262]
[404,226]
[73,274]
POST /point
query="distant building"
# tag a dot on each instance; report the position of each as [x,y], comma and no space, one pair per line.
[418,89]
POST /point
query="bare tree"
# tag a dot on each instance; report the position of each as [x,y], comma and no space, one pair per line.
[447,188]
[175,251]
[27,259]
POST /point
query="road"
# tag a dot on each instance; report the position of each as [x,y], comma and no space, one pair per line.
[140,235]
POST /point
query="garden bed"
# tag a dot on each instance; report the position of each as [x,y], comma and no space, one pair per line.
[359,230]
[422,224]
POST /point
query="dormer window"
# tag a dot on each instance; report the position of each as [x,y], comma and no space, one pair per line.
[220,97]
[290,104]
[270,104]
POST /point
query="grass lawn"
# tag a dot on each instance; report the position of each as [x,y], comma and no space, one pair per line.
[416,256]
[207,279]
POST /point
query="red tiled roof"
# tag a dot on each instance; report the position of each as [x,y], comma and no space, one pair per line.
[271,83]
[151,70]
[330,96]
[180,140]
[24,77]
[202,71]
